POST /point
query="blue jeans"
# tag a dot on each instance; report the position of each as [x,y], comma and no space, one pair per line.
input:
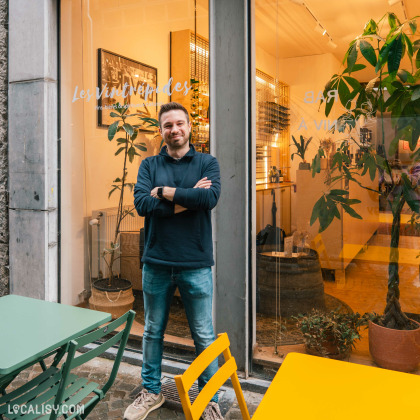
[196,289]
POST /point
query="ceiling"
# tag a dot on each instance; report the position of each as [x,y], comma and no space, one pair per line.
[285,29]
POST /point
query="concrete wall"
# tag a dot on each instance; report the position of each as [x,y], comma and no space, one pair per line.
[33,188]
[229,108]
[4,200]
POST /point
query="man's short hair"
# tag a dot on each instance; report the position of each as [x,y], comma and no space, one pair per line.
[171,106]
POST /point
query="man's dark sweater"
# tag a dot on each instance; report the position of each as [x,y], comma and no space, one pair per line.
[183,239]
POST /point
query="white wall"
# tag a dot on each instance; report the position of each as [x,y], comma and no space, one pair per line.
[306,77]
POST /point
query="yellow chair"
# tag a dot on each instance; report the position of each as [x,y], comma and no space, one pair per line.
[185,381]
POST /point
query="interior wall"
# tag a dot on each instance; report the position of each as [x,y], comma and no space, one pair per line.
[306,77]
[139,30]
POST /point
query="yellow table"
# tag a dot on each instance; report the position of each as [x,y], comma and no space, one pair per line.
[314,388]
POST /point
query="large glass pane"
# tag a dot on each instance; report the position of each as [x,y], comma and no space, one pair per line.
[139,54]
[337,130]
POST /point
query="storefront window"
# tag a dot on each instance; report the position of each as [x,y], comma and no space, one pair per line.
[337,158]
[140,55]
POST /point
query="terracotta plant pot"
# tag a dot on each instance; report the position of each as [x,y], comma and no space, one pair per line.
[394,349]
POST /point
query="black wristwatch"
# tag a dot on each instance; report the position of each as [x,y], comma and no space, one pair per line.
[160,192]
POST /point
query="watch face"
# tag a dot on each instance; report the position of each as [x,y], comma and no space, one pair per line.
[160,192]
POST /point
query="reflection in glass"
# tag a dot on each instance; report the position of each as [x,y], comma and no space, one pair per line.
[360,185]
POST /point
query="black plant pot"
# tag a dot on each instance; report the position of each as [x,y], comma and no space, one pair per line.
[116,285]
[305,166]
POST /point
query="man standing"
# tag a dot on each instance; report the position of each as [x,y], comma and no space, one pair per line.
[175,192]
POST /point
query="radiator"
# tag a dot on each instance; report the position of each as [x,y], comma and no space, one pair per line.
[103,233]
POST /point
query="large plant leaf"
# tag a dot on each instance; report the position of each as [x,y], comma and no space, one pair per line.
[410,194]
[392,20]
[131,153]
[316,210]
[343,92]
[368,52]
[408,44]
[329,101]
[416,94]
[370,28]
[129,129]
[140,147]
[418,59]
[112,130]
[413,26]
[337,161]
[328,106]
[351,58]
[395,55]
[356,67]
[119,151]
[110,192]
[393,98]
[351,211]
[383,56]
[134,136]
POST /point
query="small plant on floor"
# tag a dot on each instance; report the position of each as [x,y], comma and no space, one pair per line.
[393,92]
[331,334]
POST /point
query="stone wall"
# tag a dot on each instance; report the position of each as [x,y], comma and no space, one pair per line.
[4,201]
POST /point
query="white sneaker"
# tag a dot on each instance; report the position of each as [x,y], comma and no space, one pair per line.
[212,412]
[144,403]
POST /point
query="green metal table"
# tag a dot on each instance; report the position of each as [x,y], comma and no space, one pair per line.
[32,328]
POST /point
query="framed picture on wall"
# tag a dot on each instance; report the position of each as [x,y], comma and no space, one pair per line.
[123,80]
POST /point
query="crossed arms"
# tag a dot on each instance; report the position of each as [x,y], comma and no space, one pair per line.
[203,196]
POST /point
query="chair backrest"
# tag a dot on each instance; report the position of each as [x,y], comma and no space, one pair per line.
[228,370]
[73,361]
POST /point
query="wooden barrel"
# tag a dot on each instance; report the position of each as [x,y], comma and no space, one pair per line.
[299,284]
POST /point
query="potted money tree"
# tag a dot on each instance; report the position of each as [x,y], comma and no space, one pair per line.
[112,293]
[392,53]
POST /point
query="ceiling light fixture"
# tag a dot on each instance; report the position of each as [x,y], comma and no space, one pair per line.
[318,27]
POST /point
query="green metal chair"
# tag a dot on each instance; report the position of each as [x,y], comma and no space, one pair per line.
[58,391]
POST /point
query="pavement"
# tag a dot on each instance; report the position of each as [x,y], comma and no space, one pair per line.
[127,385]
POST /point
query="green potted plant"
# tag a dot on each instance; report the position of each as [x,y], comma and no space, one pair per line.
[301,147]
[114,294]
[393,91]
[331,334]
